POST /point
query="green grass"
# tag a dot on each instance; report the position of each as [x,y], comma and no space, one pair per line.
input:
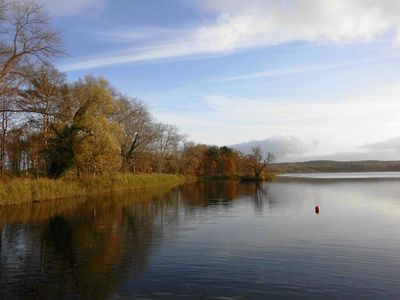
[21,190]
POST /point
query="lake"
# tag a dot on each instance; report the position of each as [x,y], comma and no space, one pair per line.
[344,175]
[209,240]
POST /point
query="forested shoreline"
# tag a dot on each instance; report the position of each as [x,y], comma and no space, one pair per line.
[52,128]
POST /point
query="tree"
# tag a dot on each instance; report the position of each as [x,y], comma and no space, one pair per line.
[167,144]
[25,38]
[17,149]
[60,153]
[5,115]
[138,131]
[41,101]
[97,147]
[228,164]
[258,162]
[210,161]
[192,159]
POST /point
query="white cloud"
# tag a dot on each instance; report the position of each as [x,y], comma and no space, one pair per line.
[127,35]
[388,149]
[300,70]
[70,7]
[352,121]
[277,21]
[283,147]
[390,145]
[239,25]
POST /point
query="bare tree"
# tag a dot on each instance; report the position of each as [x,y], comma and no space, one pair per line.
[258,162]
[138,129]
[167,144]
[25,37]
[42,96]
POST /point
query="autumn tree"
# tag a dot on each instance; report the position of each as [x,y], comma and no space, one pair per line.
[138,132]
[25,39]
[192,158]
[166,145]
[41,101]
[228,161]
[97,143]
[210,161]
[60,154]
[258,162]
[18,148]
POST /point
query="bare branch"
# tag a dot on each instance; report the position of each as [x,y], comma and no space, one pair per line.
[25,36]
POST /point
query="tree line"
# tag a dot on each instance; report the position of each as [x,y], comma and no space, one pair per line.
[51,127]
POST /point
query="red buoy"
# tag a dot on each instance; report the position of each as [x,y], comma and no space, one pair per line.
[317,209]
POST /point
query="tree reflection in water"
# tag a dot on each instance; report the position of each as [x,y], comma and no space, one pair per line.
[88,248]
[261,196]
[86,251]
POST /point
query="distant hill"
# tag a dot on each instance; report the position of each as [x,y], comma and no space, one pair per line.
[336,166]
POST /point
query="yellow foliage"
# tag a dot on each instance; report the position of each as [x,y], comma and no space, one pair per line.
[98,148]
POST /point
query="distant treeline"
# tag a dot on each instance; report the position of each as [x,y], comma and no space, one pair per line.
[336,166]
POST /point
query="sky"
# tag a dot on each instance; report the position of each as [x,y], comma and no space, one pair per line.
[305,79]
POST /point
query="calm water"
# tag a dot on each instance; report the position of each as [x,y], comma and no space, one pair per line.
[344,175]
[209,240]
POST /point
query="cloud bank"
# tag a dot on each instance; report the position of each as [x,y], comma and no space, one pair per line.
[283,147]
[293,148]
[390,144]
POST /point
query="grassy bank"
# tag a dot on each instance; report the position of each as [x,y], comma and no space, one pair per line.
[20,190]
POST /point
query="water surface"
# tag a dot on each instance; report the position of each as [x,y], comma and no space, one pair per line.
[220,240]
[343,175]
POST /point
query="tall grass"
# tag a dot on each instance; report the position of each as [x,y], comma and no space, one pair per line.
[46,210]
[20,190]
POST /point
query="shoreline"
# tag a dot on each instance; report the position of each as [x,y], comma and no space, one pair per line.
[24,190]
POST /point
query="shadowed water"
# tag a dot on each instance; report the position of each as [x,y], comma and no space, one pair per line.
[219,240]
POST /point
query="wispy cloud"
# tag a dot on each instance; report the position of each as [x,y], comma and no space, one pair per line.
[144,33]
[71,7]
[301,70]
[241,25]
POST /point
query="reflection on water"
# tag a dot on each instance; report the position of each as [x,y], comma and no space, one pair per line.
[343,175]
[86,248]
[208,240]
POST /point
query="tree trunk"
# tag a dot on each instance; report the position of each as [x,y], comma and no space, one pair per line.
[3,141]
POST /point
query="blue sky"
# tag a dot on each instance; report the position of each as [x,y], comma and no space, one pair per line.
[316,79]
